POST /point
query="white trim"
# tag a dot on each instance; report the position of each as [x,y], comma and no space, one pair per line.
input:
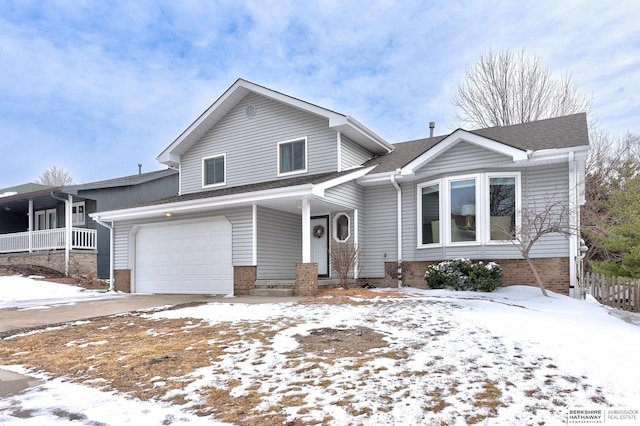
[204,171]
[339,149]
[482,216]
[306,230]
[462,136]
[356,242]
[254,235]
[306,154]
[573,220]
[84,213]
[335,227]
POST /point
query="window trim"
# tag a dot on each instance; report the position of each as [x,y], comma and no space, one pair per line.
[84,213]
[204,170]
[483,226]
[335,227]
[306,157]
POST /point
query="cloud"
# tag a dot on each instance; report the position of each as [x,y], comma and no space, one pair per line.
[118,81]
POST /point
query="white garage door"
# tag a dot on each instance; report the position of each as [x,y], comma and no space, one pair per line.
[185,257]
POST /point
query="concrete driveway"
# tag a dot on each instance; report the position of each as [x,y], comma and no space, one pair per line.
[13,320]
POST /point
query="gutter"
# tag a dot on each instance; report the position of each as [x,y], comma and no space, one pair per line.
[111,250]
[392,178]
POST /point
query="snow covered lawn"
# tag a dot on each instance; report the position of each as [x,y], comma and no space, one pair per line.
[429,357]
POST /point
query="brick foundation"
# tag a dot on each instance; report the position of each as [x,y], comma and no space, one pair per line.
[81,263]
[554,273]
[122,278]
[244,279]
[306,279]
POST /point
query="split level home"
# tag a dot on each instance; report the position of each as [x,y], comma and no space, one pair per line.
[51,226]
[269,184]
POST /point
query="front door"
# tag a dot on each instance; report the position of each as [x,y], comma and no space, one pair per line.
[320,244]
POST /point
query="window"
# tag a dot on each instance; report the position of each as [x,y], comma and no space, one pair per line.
[46,219]
[292,156]
[430,214]
[341,230]
[502,207]
[213,171]
[477,208]
[77,213]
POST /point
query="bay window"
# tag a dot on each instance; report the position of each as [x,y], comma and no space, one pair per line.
[470,209]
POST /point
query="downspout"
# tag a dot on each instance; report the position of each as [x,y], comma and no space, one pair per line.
[574,211]
[67,226]
[399,207]
[111,250]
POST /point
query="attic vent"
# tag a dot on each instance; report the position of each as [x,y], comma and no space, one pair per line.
[250,111]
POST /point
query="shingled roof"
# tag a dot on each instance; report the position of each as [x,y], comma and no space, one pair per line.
[560,132]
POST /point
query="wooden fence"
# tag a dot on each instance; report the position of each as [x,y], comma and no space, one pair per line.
[617,292]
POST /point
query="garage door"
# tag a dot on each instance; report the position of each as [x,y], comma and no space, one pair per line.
[185,257]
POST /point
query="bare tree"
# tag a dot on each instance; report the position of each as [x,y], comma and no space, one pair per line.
[537,221]
[55,176]
[344,260]
[504,88]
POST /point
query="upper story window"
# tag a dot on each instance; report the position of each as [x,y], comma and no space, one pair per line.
[477,208]
[292,156]
[341,231]
[214,170]
[77,213]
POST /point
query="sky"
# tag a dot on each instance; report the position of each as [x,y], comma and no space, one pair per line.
[96,87]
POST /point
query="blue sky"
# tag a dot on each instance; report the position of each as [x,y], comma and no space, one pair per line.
[97,87]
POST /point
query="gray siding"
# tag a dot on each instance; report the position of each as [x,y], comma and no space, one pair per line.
[118,197]
[463,156]
[251,143]
[378,240]
[352,155]
[350,195]
[538,184]
[279,244]
[242,224]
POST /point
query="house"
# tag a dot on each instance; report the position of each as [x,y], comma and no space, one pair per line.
[50,226]
[269,183]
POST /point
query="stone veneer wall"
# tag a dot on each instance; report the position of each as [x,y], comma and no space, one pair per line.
[554,273]
[244,279]
[122,278]
[81,263]
[306,279]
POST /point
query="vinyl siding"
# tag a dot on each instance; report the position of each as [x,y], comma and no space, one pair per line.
[538,184]
[463,157]
[350,195]
[279,244]
[250,144]
[352,155]
[378,240]
[241,220]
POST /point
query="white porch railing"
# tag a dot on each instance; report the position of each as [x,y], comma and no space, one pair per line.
[48,239]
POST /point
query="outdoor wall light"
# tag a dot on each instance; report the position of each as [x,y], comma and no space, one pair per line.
[168,214]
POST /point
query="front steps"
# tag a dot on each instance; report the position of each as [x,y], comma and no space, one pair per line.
[285,288]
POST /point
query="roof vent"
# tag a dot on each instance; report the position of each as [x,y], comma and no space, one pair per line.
[250,111]
[432,125]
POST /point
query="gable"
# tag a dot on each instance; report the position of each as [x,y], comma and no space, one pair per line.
[250,143]
[464,156]
[238,91]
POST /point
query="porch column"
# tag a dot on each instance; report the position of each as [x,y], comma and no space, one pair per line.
[67,225]
[306,231]
[30,226]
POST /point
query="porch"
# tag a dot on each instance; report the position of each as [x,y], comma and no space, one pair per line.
[48,239]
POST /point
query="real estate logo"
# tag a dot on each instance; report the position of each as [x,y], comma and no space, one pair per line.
[601,416]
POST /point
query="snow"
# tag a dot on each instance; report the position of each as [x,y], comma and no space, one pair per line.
[545,355]
[30,293]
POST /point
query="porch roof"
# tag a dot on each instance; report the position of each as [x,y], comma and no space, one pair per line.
[283,194]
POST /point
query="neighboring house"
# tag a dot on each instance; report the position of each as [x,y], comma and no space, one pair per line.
[269,183]
[50,226]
